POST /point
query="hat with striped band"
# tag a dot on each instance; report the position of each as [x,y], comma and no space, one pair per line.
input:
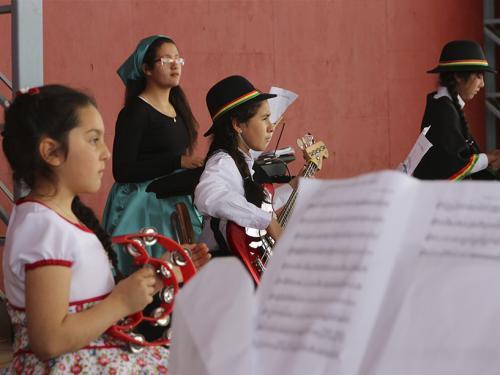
[228,94]
[462,56]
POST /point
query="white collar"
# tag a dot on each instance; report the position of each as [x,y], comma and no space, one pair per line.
[443,91]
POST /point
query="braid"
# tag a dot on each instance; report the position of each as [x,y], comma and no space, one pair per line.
[449,81]
[254,193]
[88,218]
[225,138]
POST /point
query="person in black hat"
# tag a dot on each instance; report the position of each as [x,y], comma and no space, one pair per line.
[227,191]
[455,155]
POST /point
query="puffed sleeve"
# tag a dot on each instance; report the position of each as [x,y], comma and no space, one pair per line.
[36,241]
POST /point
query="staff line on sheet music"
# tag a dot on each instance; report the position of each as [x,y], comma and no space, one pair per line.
[458,254]
[336,235]
[324,333]
[348,203]
[482,224]
[352,184]
[318,283]
[479,241]
[317,316]
[313,300]
[297,346]
[299,251]
[456,206]
[334,218]
[322,267]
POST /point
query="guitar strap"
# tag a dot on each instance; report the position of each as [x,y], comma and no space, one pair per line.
[219,238]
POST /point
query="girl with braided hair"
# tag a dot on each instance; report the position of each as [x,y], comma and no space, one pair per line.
[455,155]
[56,262]
[226,190]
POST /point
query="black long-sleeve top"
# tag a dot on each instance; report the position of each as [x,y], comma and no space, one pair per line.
[454,152]
[147,143]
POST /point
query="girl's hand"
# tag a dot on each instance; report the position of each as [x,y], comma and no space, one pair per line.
[137,290]
[200,254]
[494,159]
[191,161]
[274,229]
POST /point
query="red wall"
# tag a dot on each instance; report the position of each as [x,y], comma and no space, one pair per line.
[358,65]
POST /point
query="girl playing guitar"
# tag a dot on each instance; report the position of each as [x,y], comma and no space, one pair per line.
[227,191]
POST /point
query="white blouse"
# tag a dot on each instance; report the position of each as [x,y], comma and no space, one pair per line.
[37,236]
[220,194]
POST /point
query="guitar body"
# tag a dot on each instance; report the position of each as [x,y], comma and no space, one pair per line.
[238,242]
[250,245]
[254,247]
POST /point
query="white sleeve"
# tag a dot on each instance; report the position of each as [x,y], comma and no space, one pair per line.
[482,163]
[38,240]
[220,194]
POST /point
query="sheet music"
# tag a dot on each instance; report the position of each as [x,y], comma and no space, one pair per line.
[319,298]
[419,149]
[448,322]
[375,275]
[279,104]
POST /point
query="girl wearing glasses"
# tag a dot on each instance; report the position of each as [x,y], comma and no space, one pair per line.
[155,135]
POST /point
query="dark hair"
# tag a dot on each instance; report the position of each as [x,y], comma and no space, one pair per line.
[449,80]
[177,96]
[48,111]
[225,138]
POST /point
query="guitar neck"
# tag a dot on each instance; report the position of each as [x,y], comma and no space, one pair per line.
[285,213]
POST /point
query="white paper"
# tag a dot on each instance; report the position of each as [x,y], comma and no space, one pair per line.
[212,322]
[279,104]
[448,321]
[318,300]
[419,149]
[376,275]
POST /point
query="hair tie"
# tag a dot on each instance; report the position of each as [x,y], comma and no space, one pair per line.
[29,91]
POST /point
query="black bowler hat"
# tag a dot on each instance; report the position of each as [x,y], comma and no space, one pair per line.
[230,93]
[462,56]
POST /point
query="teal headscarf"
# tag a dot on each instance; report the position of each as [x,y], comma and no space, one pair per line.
[131,68]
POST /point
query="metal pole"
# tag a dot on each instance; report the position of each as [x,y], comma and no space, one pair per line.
[490,42]
[27,44]
[27,51]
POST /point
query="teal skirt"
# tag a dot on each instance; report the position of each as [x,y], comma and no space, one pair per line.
[130,208]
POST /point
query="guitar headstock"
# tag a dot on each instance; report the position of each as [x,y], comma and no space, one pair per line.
[314,152]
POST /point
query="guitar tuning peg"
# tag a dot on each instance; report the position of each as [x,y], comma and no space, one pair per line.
[308,139]
[300,143]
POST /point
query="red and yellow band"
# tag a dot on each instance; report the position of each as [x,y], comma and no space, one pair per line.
[236,102]
[465,170]
[464,63]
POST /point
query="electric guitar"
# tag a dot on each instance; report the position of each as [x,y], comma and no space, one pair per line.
[254,247]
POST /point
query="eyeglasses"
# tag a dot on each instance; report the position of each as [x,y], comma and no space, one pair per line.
[169,61]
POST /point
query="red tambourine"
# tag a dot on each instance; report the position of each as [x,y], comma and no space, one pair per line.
[134,245]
